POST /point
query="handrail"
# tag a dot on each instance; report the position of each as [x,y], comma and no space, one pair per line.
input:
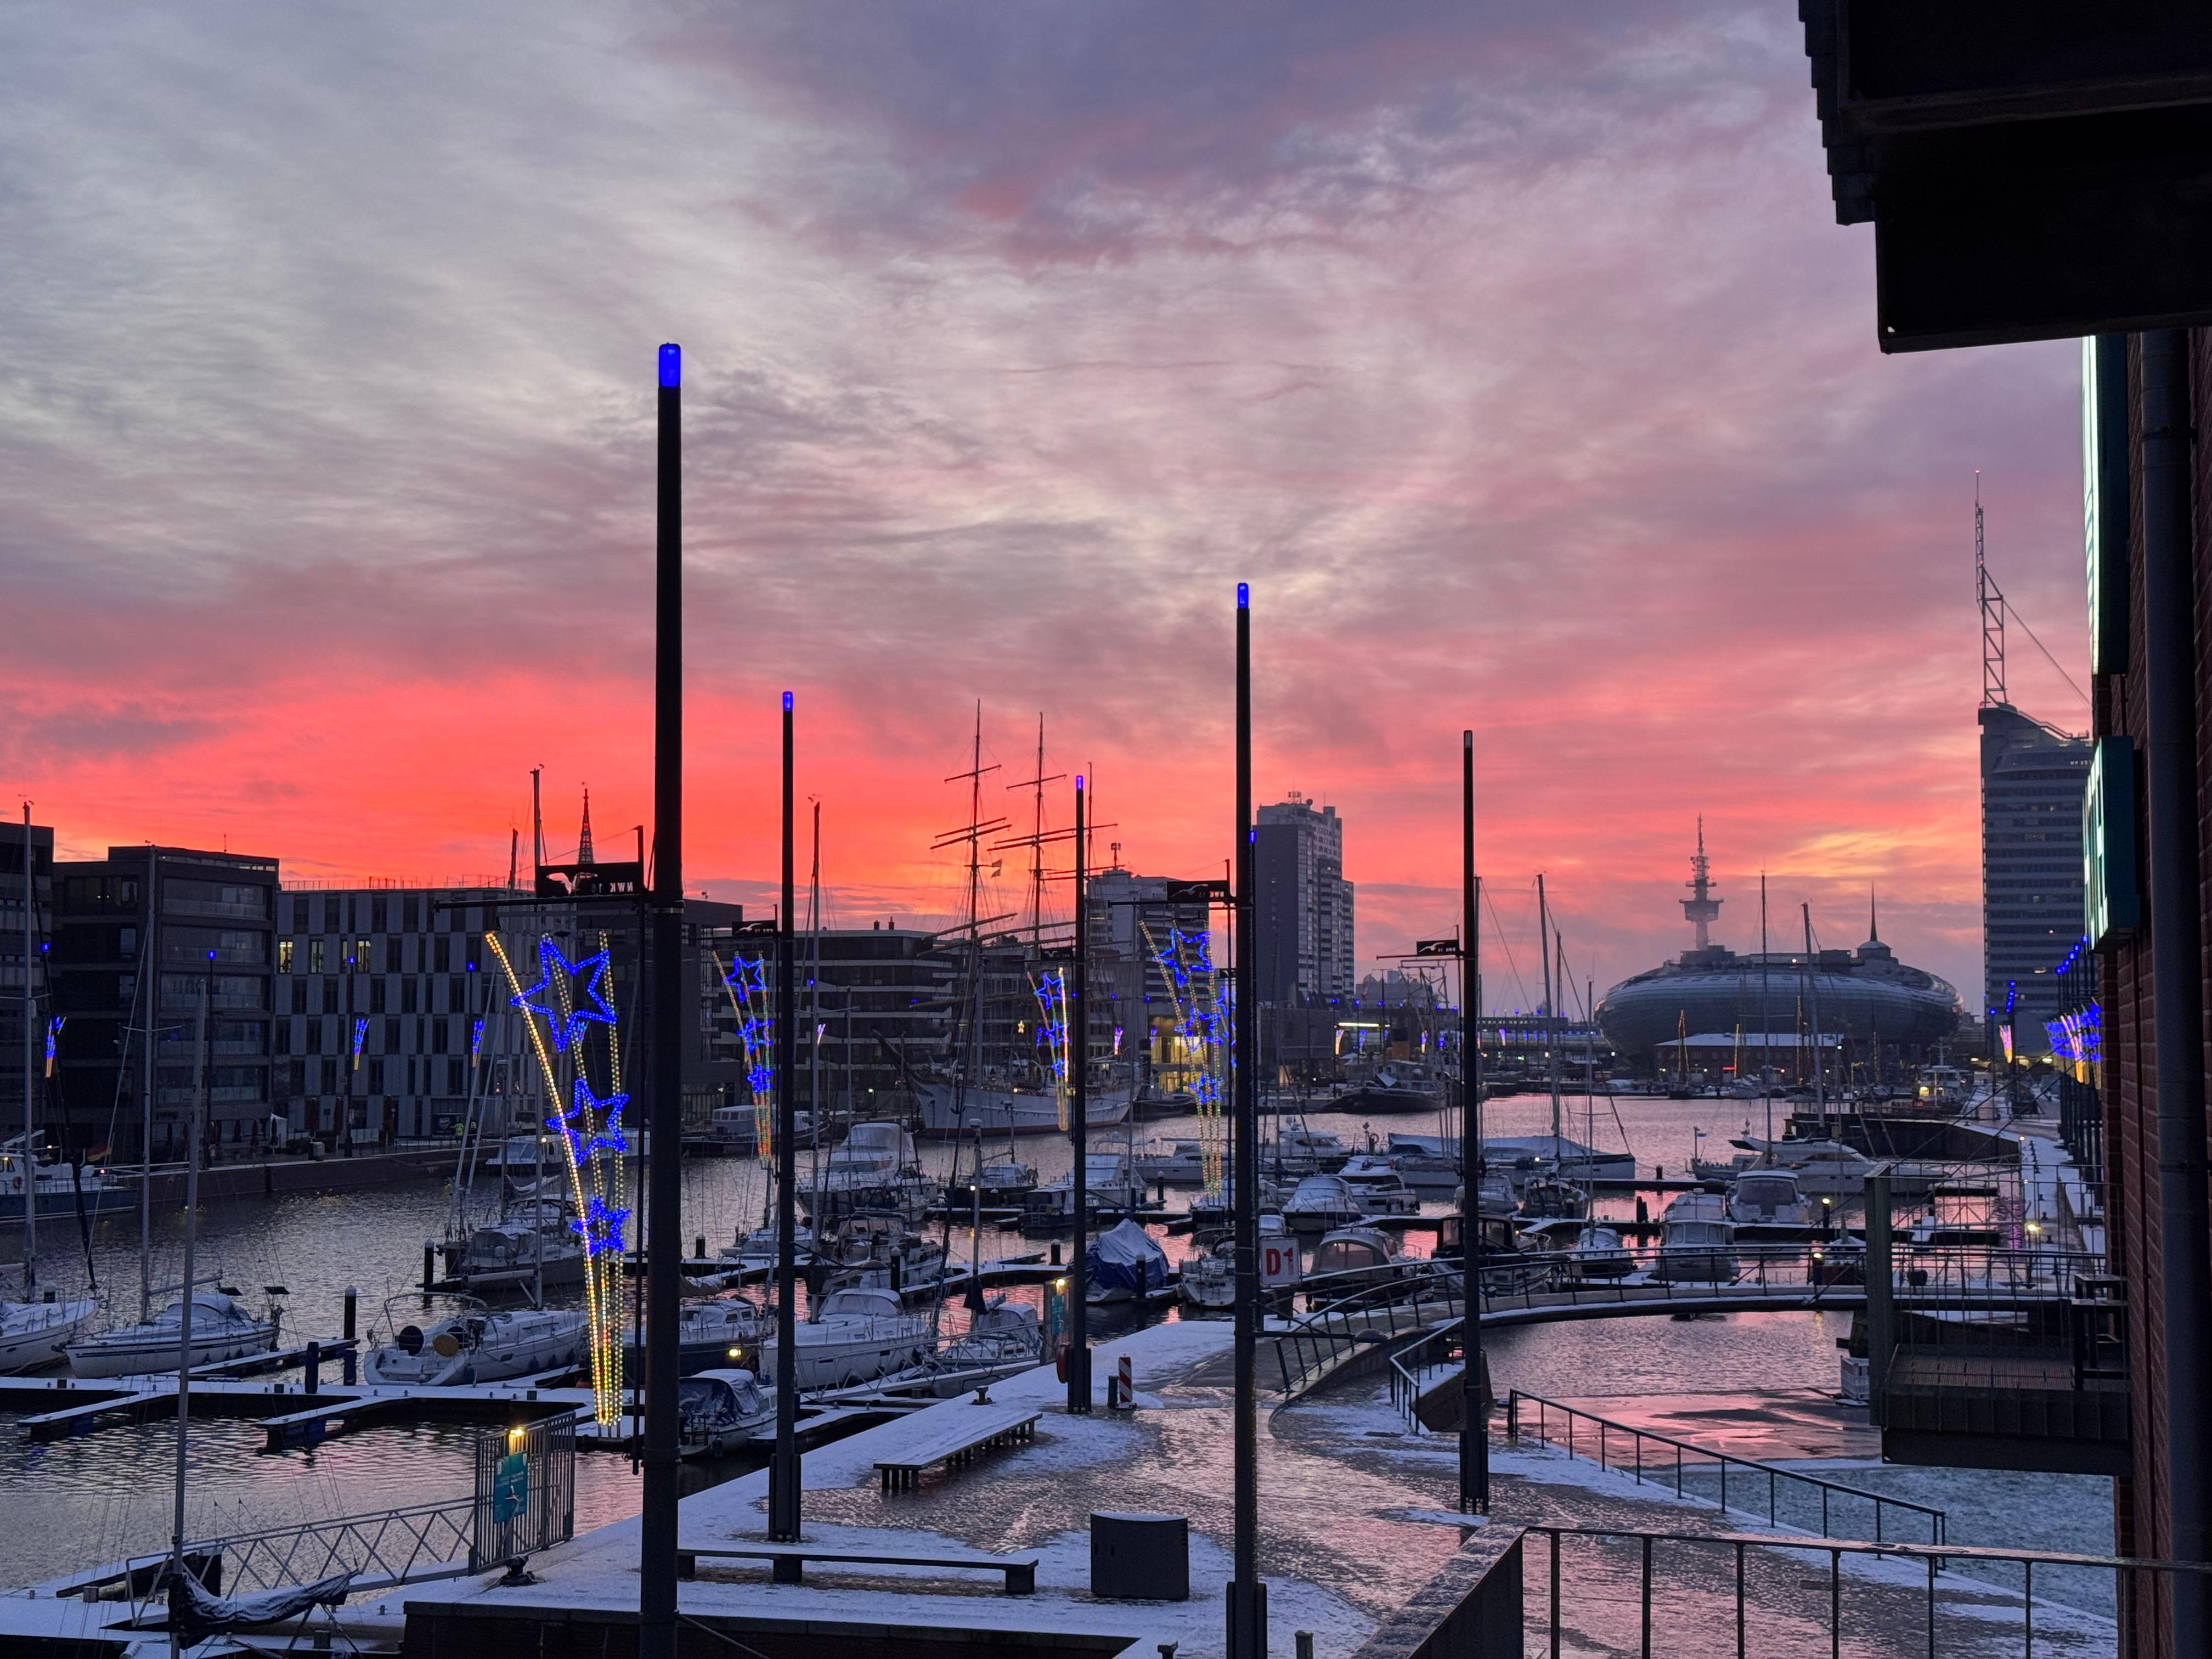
[418,1542]
[2125,1570]
[1417,1295]
[1775,1474]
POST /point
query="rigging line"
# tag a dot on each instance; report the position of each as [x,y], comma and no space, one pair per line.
[1511,966]
[2045,649]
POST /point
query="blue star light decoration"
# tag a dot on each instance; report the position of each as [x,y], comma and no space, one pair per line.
[748,981]
[575,1121]
[601,1229]
[587,1003]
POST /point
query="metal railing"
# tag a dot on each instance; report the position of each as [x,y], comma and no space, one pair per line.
[405,1546]
[1898,1593]
[1604,1438]
[1317,1346]
[1532,1286]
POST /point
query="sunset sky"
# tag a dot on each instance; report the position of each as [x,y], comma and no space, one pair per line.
[1511,351]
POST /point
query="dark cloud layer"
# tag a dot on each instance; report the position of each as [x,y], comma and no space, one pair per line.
[1511,351]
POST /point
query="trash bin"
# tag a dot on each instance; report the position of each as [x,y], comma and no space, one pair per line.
[1139,1558]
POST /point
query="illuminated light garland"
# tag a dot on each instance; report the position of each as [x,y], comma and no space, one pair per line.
[359,1036]
[747,982]
[585,1136]
[601,1229]
[1202,1013]
[53,1036]
[594,1181]
[565,1022]
[1051,990]
[476,1041]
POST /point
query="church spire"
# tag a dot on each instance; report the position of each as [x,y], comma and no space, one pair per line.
[584,839]
[1874,933]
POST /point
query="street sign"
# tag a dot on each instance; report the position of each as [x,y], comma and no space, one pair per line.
[510,1489]
[1279,1263]
[1435,947]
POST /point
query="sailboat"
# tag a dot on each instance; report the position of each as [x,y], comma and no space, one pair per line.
[32,1331]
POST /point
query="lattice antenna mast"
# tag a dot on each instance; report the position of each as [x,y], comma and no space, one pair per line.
[1702,909]
[1993,608]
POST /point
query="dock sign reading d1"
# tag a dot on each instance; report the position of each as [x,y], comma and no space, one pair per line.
[510,1487]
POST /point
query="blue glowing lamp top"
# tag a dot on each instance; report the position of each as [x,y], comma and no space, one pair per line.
[1243,596]
[672,365]
[787,702]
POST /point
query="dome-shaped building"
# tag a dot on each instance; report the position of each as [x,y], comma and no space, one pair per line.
[1860,996]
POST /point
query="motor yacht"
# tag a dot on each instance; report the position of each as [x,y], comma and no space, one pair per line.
[1429,1163]
[1174,1163]
[1320,1202]
[1769,1198]
[472,1344]
[1696,1241]
[1109,1183]
[1381,1189]
[722,1409]
[1353,1257]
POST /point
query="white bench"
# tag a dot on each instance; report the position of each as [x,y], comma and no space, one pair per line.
[953,1438]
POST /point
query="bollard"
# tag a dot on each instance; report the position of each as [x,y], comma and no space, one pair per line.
[1305,1639]
[352,1300]
[1126,1375]
[429,1264]
[314,1368]
[699,1247]
[1056,1253]
[1643,1213]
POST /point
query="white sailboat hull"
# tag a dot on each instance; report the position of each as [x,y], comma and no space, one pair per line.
[1010,1111]
[32,1332]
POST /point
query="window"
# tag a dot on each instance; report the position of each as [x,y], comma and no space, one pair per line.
[391,955]
[283,956]
[283,1036]
[437,1037]
[126,941]
[329,996]
[445,954]
[475,952]
[316,964]
[377,913]
[407,997]
[376,995]
[330,922]
[456,1078]
[390,1035]
[298,996]
[313,1043]
[411,909]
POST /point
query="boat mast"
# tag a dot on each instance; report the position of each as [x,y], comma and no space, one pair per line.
[1765,1026]
[30,1094]
[147,961]
[814,999]
[1551,1037]
[1813,994]
[192,1132]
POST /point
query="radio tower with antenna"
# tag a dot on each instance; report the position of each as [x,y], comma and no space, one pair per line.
[1702,909]
[1993,608]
